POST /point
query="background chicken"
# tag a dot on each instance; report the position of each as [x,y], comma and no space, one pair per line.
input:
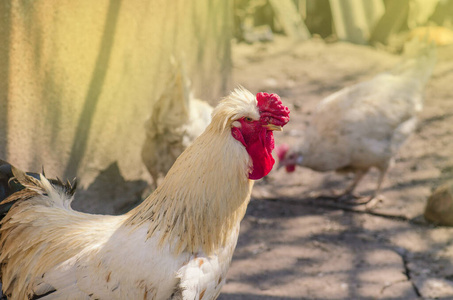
[364,125]
[177,119]
[177,244]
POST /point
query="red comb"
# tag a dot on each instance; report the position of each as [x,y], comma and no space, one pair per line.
[272,109]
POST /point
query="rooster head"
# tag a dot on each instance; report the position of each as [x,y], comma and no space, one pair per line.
[255,131]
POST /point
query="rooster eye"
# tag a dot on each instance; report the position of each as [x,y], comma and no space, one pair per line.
[248,119]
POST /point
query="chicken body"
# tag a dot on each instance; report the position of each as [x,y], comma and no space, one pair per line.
[177,244]
[364,125]
[177,119]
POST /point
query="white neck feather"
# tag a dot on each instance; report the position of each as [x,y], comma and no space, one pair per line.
[203,197]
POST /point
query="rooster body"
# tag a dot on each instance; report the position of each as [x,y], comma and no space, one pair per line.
[97,255]
[364,125]
[177,244]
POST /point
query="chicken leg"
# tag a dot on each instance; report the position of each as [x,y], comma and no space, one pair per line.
[359,200]
[349,192]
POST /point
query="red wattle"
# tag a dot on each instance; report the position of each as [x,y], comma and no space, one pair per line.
[260,150]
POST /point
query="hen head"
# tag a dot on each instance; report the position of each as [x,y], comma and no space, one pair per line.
[288,158]
[255,131]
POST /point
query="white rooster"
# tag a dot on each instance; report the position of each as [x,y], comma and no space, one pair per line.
[177,119]
[364,125]
[177,244]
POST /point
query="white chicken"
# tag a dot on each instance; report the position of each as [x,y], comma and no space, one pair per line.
[364,125]
[177,244]
[177,119]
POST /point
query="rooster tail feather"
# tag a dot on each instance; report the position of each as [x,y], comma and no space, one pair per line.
[17,185]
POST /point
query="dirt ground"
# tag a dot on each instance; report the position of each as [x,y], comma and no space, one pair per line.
[295,246]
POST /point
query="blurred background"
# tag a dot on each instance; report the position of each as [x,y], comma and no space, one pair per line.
[295,244]
[380,23]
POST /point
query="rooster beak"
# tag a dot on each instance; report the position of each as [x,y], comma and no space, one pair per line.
[273,127]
